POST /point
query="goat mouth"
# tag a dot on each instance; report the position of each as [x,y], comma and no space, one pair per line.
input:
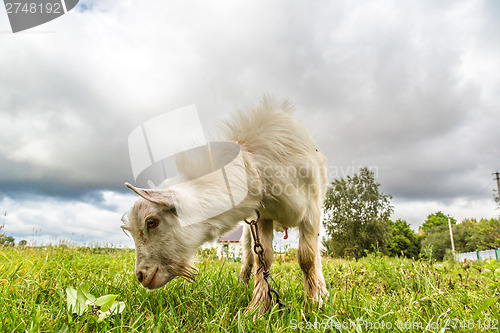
[163,275]
[158,279]
[150,282]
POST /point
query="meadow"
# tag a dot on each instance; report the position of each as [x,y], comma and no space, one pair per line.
[374,293]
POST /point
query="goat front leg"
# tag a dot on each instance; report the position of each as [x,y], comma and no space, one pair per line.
[261,299]
[247,261]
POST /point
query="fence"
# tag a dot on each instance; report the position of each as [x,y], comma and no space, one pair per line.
[479,255]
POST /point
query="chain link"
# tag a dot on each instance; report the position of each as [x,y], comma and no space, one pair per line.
[259,250]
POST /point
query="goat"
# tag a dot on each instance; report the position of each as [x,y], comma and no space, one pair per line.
[286,180]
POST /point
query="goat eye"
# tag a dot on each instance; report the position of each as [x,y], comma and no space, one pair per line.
[152,223]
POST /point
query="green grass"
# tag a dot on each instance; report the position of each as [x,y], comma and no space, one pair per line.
[377,290]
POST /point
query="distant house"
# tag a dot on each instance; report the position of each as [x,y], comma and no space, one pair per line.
[228,245]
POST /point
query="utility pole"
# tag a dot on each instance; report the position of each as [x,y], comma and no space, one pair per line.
[498,182]
[451,236]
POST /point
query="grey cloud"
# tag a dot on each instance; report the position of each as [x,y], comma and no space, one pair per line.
[410,88]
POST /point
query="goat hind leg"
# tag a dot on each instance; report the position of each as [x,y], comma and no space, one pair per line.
[261,298]
[309,259]
[247,260]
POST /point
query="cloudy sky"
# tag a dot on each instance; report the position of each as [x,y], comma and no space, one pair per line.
[409,88]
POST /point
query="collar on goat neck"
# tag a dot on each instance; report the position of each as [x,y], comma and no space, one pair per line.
[253,222]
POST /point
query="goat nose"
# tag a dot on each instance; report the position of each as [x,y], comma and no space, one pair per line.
[139,275]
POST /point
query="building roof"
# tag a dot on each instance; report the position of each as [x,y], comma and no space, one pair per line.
[231,236]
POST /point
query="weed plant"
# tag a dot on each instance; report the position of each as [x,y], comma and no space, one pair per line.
[375,293]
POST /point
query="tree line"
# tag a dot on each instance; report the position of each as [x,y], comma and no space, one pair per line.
[4,239]
[357,220]
[9,240]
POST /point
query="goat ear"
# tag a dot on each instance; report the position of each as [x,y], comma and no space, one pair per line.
[159,196]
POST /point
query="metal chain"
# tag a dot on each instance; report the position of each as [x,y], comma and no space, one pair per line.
[259,250]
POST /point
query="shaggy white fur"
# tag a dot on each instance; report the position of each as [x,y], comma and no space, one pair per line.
[285,180]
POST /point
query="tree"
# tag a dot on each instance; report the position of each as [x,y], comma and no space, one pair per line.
[6,240]
[356,215]
[472,235]
[435,220]
[438,239]
[436,234]
[403,240]
[465,236]
[488,234]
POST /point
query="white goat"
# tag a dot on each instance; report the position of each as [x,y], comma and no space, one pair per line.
[286,179]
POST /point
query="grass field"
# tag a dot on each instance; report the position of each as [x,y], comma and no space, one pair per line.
[372,294]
